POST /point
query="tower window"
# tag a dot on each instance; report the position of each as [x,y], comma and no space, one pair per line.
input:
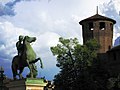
[90,26]
[102,25]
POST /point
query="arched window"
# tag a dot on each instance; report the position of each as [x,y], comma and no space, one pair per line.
[102,26]
[91,26]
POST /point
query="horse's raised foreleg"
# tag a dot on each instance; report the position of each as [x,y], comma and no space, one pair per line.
[34,61]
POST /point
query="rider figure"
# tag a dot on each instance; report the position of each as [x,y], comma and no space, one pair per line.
[19,45]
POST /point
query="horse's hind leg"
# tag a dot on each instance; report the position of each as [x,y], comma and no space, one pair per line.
[20,73]
[35,72]
[30,75]
[14,71]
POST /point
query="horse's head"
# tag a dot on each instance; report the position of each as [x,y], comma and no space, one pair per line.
[29,39]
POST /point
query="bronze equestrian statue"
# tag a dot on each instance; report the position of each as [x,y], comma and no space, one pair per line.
[26,58]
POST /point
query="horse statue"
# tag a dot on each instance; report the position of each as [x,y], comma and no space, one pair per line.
[27,59]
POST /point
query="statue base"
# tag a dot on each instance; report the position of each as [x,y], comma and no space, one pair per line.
[27,84]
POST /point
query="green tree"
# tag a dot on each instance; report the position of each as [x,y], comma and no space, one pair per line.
[79,65]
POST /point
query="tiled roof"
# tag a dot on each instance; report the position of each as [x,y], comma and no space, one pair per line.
[97,17]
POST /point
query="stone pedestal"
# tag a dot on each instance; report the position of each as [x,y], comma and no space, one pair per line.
[27,84]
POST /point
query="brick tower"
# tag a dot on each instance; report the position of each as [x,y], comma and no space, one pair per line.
[99,27]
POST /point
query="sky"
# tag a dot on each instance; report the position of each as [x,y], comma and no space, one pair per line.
[47,20]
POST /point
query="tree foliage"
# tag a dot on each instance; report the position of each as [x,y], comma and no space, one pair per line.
[78,65]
